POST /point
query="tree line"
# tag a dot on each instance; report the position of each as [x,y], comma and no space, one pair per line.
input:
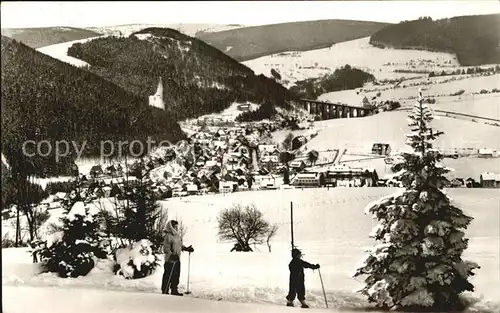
[460,35]
[343,78]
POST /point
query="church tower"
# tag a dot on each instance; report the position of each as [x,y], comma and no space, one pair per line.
[156,100]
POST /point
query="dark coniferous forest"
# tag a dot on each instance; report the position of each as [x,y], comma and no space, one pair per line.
[474,39]
[198,79]
[46,99]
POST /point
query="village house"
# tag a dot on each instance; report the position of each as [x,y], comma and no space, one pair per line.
[297,165]
[381,149]
[227,186]
[267,182]
[487,153]
[345,176]
[270,162]
[307,180]
[490,180]
[298,142]
[268,149]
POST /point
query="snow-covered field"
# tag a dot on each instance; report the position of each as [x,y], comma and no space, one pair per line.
[60,52]
[359,134]
[227,115]
[479,105]
[486,105]
[462,167]
[330,228]
[294,66]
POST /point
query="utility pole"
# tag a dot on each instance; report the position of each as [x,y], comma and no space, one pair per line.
[291,223]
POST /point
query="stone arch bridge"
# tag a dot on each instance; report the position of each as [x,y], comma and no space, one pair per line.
[327,110]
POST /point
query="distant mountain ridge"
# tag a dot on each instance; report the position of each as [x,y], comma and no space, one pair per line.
[190,29]
[474,39]
[45,36]
[45,99]
[248,43]
[198,79]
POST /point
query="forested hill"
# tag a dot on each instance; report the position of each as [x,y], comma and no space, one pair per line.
[198,79]
[248,43]
[46,99]
[474,39]
[45,36]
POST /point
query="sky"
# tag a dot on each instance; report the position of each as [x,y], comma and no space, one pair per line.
[86,14]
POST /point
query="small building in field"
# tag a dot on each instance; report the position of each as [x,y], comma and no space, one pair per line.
[344,176]
[487,153]
[489,180]
[381,149]
[227,186]
[307,180]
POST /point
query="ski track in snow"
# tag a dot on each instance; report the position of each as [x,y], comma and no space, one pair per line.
[59,300]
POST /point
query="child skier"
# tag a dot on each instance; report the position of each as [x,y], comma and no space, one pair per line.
[297,287]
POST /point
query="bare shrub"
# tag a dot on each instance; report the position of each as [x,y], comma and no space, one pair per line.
[246,225]
[159,227]
[271,232]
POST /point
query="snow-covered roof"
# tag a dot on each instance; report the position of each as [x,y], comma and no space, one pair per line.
[490,176]
[61,195]
[305,176]
[486,151]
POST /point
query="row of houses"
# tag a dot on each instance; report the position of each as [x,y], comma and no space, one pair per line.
[337,176]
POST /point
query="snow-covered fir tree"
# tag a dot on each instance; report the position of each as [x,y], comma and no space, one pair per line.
[141,210]
[418,262]
[137,225]
[77,246]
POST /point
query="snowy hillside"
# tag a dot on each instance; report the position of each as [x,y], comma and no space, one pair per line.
[294,66]
[60,51]
[330,227]
[440,88]
[359,134]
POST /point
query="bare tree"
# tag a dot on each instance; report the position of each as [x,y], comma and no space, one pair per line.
[271,232]
[159,227]
[182,229]
[246,225]
[312,156]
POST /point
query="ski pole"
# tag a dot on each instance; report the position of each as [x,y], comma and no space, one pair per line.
[323,287]
[170,277]
[189,270]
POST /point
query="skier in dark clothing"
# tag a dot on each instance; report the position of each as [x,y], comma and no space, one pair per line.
[297,287]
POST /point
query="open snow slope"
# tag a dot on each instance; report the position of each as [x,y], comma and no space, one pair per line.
[60,51]
[440,88]
[359,134]
[382,63]
[329,225]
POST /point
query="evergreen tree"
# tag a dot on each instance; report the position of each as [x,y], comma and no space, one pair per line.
[418,263]
[139,219]
[79,246]
[141,211]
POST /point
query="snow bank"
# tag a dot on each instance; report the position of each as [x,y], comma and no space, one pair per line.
[100,301]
